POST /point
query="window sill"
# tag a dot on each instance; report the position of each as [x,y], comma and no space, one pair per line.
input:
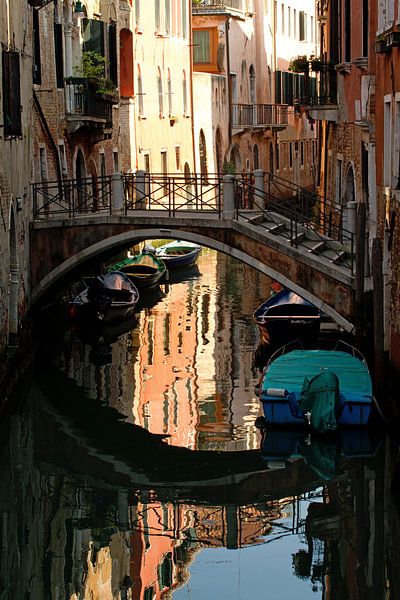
[142,117]
[138,30]
[343,68]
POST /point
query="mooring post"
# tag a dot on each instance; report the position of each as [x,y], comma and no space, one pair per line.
[228,211]
[259,188]
[117,190]
[140,203]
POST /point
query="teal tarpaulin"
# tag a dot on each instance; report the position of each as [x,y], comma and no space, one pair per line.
[320,398]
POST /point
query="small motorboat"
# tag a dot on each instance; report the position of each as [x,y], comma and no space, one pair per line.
[144,270]
[106,297]
[317,389]
[286,316]
[178,253]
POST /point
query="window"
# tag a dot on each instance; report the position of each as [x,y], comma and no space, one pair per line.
[137,13]
[339,177]
[290,155]
[11,94]
[103,170]
[140,92]
[184,19]
[169,93]
[294,23]
[184,94]
[116,161]
[312,29]
[178,157]
[167,7]
[252,85]
[347,30]
[37,72]
[289,22]
[158,15]
[164,169]
[277,157]
[160,94]
[63,159]
[112,53]
[58,54]
[302,26]
[201,50]
[283,19]
[302,154]
[387,136]
[93,36]
[43,164]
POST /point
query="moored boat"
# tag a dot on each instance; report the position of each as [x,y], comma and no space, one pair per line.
[106,297]
[286,316]
[178,253]
[144,269]
[317,389]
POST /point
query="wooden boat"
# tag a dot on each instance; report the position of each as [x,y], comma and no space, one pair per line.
[144,269]
[317,389]
[286,316]
[178,253]
[106,297]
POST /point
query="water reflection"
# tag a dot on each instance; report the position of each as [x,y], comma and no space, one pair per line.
[103,496]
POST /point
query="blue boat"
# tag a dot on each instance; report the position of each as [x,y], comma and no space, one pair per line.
[286,316]
[317,389]
[178,253]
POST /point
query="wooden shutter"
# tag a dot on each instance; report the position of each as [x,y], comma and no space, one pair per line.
[58,48]
[11,94]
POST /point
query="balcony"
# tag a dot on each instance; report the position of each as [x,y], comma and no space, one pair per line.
[320,100]
[207,7]
[86,107]
[322,10]
[259,116]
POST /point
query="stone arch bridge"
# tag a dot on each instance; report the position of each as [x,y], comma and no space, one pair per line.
[255,221]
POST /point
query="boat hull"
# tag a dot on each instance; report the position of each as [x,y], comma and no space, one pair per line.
[178,254]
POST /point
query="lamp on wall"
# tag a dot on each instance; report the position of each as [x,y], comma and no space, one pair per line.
[78,10]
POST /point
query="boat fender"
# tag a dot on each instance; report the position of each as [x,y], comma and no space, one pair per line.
[276,392]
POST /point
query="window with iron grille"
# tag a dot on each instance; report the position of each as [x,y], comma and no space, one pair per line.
[11,94]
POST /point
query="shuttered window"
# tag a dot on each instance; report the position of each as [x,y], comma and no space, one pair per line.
[278,83]
[11,94]
[37,71]
[58,47]
[201,50]
[112,51]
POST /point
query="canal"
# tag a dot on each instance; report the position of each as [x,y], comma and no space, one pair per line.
[132,467]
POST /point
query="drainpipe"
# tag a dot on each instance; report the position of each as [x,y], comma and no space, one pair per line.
[52,142]
[191,85]
[228,68]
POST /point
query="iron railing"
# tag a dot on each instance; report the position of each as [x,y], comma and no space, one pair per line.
[303,209]
[259,115]
[86,101]
[72,197]
[205,6]
[325,90]
[197,192]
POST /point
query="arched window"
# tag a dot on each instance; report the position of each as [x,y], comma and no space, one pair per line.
[160,93]
[256,160]
[252,85]
[203,155]
[126,62]
[140,91]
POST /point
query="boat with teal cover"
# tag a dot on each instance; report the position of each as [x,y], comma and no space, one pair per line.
[319,389]
[144,269]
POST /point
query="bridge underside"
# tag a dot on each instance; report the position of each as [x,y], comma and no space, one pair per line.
[55,256]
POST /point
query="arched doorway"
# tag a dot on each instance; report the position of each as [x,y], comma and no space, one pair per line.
[14,283]
[80,175]
[236,159]
[203,155]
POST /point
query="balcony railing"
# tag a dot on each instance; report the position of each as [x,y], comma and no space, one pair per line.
[210,6]
[87,102]
[259,115]
[322,8]
[324,92]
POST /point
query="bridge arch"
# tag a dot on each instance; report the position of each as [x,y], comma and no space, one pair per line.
[129,238]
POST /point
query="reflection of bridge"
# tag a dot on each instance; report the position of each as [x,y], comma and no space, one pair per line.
[277,227]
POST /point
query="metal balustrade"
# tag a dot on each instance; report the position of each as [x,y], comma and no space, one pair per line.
[204,6]
[86,101]
[239,196]
[259,115]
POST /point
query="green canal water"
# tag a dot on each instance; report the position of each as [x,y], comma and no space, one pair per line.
[132,468]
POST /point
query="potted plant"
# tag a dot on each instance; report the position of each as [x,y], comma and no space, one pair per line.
[228,168]
[92,67]
[299,64]
[316,64]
